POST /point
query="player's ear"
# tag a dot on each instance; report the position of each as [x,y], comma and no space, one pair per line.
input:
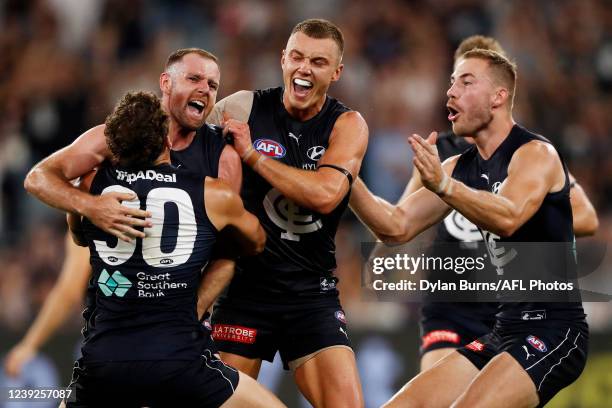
[282,57]
[165,83]
[500,97]
[337,72]
[167,142]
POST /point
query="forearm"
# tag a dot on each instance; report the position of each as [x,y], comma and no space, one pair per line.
[55,311]
[584,215]
[374,212]
[216,277]
[491,212]
[50,187]
[315,190]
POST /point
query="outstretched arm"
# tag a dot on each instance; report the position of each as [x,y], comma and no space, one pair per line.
[49,181]
[321,190]
[66,293]
[585,216]
[403,221]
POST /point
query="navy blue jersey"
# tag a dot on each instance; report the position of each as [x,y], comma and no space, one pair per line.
[202,155]
[456,235]
[455,227]
[299,257]
[146,290]
[552,222]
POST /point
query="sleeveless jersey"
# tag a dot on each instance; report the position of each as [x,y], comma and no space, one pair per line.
[146,290]
[202,155]
[454,230]
[552,222]
[299,257]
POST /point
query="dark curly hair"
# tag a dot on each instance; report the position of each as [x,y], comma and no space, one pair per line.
[136,129]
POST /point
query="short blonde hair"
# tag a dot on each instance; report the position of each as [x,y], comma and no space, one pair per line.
[504,71]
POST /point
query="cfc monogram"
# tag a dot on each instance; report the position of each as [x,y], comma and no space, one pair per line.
[289,216]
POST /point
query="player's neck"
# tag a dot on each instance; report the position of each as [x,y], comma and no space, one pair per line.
[163,158]
[303,114]
[488,140]
[180,138]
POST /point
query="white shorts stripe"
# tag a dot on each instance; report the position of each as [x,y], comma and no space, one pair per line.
[551,368]
[221,372]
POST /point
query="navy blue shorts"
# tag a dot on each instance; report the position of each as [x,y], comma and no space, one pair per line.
[454,325]
[260,330]
[553,353]
[203,382]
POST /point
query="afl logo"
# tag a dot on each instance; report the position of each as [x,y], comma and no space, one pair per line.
[340,316]
[166,261]
[315,153]
[270,148]
[536,343]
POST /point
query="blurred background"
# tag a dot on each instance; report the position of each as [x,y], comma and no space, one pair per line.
[64,64]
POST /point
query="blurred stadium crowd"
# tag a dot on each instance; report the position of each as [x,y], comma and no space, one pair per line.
[64,63]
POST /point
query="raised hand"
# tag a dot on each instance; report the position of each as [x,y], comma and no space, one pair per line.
[427,161]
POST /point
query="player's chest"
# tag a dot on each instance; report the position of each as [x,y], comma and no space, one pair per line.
[294,145]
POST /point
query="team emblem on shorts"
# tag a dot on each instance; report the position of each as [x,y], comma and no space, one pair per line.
[475,346]
[270,148]
[340,316]
[536,343]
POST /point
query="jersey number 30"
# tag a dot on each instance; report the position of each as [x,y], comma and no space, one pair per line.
[151,245]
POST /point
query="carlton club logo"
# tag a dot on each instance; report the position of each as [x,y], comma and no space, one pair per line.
[289,217]
[461,228]
[270,148]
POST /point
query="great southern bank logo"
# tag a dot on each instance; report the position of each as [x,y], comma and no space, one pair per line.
[117,283]
[270,148]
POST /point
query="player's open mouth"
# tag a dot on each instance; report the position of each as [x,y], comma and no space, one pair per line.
[301,87]
[196,107]
[453,113]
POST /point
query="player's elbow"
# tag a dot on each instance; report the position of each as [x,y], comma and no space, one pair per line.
[587,226]
[257,244]
[31,182]
[325,200]
[506,227]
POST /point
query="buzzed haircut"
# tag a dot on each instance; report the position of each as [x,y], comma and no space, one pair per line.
[504,71]
[180,53]
[478,41]
[136,129]
[320,28]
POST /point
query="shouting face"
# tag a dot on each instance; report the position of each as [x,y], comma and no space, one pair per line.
[471,97]
[309,66]
[189,88]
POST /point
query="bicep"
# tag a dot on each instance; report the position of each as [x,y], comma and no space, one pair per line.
[81,156]
[347,143]
[532,173]
[236,106]
[230,168]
